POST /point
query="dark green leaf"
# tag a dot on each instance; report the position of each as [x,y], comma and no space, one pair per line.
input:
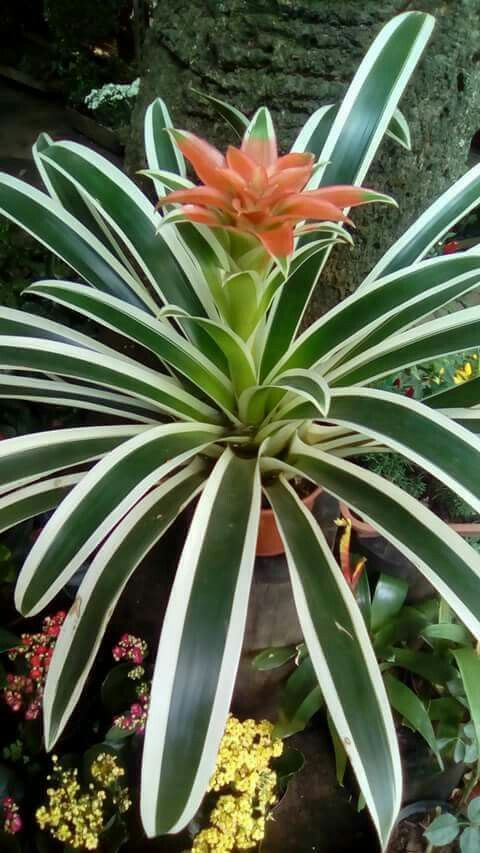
[469,665]
[447,631]
[104,582]
[118,690]
[108,188]
[8,640]
[426,664]
[446,710]
[388,599]
[290,762]
[406,626]
[408,705]
[200,645]
[341,758]
[300,700]
[52,226]
[273,657]
[116,736]
[115,835]
[341,653]
[363,596]
[232,116]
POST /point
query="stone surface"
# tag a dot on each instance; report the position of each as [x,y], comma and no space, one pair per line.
[295,55]
[24,114]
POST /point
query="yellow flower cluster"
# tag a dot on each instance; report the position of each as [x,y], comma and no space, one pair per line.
[73,817]
[464,373]
[247,783]
[106,773]
[77,817]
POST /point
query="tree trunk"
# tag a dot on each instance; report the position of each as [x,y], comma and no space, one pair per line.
[295,55]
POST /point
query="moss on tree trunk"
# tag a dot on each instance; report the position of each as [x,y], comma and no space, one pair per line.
[295,55]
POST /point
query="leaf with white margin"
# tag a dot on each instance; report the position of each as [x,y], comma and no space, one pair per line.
[46,220]
[343,658]
[93,508]
[455,203]
[26,458]
[102,586]
[170,397]
[441,446]
[200,646]
[34,499]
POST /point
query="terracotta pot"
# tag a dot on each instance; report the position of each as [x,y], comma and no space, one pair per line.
[269,543]
[366,531]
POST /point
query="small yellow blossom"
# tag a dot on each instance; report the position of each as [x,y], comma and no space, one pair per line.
[76,816]
[105,769]
[463,373]
[247,785]
[136,673]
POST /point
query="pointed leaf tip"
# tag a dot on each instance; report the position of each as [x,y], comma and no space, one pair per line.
[259,141]
[371,195]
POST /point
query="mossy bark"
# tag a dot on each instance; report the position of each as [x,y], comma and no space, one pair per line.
[295,55]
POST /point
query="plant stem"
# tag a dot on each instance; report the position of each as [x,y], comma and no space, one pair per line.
[470,787]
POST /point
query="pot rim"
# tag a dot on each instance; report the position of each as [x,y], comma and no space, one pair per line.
[267,513]
[367,531]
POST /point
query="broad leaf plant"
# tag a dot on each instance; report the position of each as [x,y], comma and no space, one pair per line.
[225,398]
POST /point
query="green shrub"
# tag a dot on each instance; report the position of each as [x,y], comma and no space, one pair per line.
[397,470]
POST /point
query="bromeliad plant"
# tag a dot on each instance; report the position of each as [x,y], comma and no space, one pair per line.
[234,400]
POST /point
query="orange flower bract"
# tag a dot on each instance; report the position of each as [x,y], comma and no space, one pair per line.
[253,190]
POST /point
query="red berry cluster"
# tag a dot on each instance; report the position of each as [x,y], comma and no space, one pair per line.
[24,692]
[12,822]
[130,648]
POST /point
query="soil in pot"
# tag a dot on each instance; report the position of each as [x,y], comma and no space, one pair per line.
[316,815]
[423,779]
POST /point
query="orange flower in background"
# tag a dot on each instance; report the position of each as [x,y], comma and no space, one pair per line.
[254,191]
[351,572]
